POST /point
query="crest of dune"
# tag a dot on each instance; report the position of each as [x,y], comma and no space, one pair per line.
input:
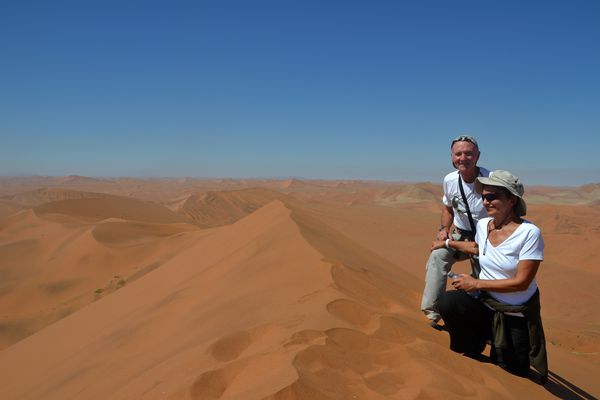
[97,209]
[218,208]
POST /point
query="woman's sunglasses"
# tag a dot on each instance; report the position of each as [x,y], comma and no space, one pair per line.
[489,197]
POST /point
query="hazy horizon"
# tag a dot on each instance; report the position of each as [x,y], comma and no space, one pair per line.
[263,178]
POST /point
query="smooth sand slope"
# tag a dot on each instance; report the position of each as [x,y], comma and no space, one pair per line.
[63,255]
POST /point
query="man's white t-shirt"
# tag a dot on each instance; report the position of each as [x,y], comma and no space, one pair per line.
[453,198]
[525,243]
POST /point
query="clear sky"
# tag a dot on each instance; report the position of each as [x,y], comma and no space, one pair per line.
[313,89]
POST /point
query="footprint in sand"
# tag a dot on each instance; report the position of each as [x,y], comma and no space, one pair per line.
[351,312]
[231,346]
[212,384]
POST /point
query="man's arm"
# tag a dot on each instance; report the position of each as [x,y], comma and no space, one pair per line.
[446,223]
[465,247]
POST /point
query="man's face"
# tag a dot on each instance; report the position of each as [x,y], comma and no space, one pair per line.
[464,156]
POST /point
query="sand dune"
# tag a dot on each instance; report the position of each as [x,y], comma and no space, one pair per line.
[97,209]
[309,295]
[165,190]
[293,183]
[586,194]
[8,208]
[276,306]
[17,185]
[410,193]
[160,190]
[218,208]
[44,195]
[50,268]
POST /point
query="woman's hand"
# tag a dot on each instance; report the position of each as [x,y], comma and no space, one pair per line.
[465,282]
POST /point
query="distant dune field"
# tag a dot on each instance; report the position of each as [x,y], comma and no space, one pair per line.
[263,289]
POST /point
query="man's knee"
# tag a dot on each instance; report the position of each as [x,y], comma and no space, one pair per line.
[439,259]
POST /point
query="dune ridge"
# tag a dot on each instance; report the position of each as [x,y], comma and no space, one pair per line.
[97,209]
[218,208]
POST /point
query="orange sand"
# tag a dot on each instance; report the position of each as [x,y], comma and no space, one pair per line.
[266,290]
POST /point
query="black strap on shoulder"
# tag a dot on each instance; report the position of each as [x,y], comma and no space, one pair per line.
[475,267]
[462,192]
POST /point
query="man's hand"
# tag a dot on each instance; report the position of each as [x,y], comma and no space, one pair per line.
[442,234]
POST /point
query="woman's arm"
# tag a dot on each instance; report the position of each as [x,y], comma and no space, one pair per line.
[526,270]
[465,247]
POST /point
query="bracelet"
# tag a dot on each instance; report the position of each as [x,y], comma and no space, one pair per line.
[447,243]
[443,228]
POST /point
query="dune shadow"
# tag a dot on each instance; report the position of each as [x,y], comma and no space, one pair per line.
[563,389]
[555,384]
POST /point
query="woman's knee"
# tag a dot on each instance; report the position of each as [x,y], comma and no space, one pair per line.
[449,302]
[519,338]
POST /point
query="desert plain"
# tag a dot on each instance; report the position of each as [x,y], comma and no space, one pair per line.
[264,289]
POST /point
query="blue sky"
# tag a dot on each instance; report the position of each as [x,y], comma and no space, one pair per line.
[314,89]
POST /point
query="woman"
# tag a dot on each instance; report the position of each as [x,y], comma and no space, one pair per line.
[503,303]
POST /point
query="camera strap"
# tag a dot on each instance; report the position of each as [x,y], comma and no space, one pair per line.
[476,269]
[462,192]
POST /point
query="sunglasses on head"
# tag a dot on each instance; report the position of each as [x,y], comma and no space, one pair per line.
[489,197]
[465,138]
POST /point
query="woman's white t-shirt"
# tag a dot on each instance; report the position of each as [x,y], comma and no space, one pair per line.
[500,262]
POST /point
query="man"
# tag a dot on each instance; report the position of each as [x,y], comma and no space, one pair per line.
[464,151]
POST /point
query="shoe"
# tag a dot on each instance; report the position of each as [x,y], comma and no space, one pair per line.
[476,356]
[433,316]
[436,326]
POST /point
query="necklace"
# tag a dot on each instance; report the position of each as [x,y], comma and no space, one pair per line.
[487,237]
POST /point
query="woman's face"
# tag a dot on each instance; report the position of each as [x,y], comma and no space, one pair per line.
[497,201]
